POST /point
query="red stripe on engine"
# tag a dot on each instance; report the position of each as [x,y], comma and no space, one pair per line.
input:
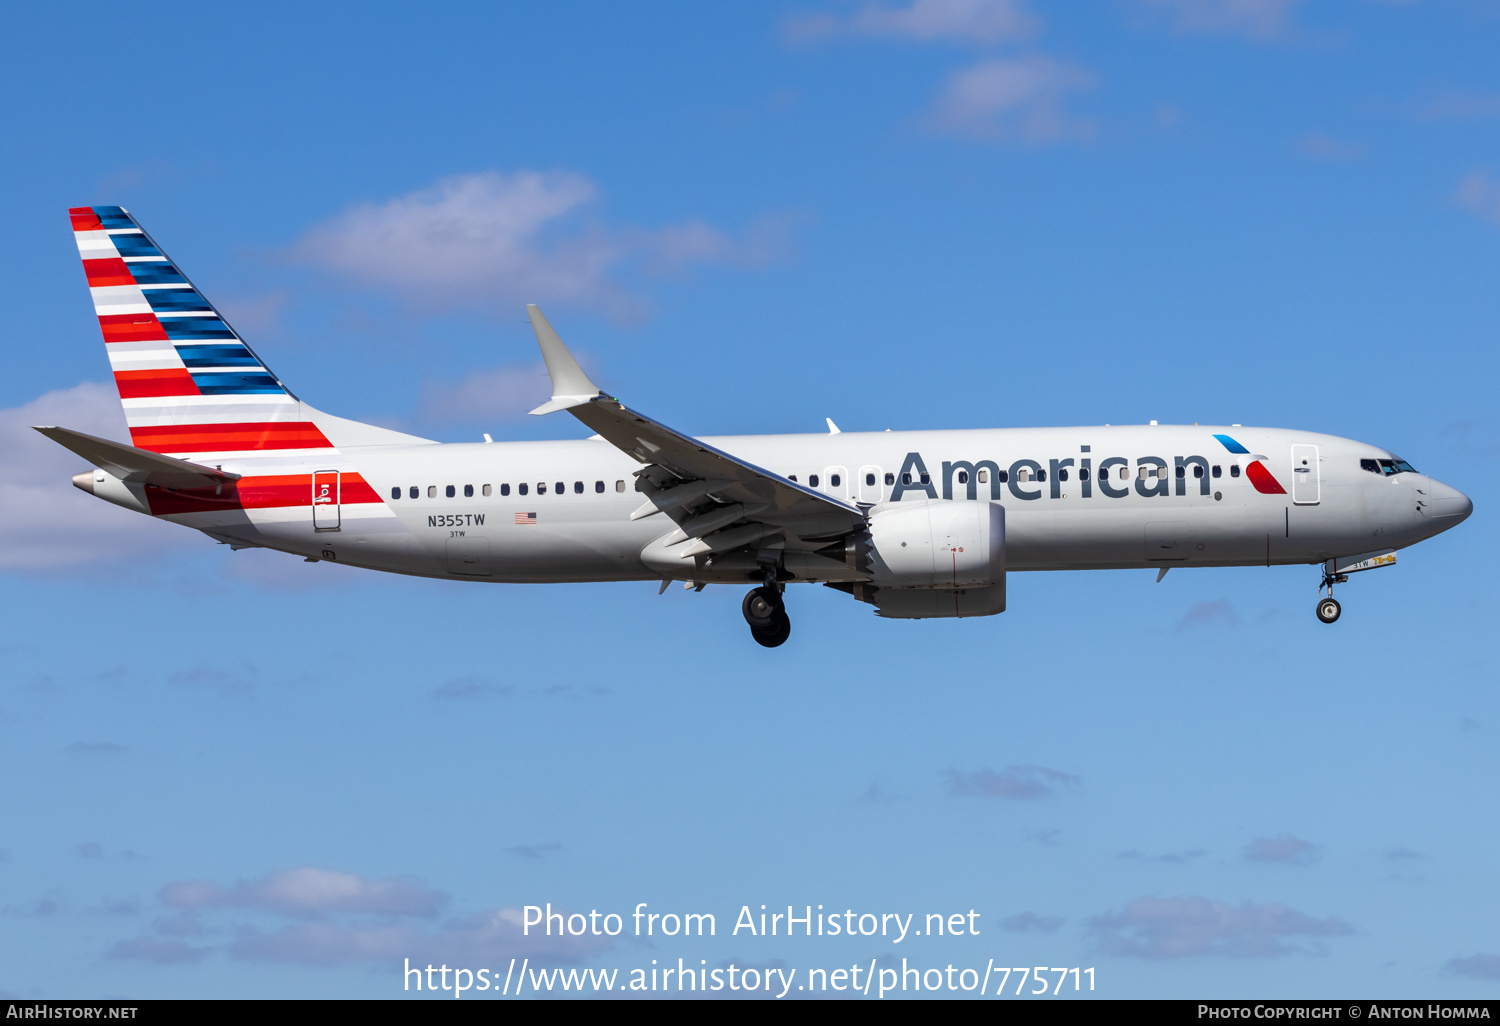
[145,384]
[254,493]
[230,437]
[137,327]
[84,219]
[1261,478]
[108,271]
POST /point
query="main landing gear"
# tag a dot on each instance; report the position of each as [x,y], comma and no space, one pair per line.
[1328,608]
[766,614]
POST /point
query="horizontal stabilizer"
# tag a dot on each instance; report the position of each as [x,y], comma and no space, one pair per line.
[129,463]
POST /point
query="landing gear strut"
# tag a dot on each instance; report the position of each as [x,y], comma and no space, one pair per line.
[1328,608]
[766,614]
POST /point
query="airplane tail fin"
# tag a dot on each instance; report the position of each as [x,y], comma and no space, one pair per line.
[190,385]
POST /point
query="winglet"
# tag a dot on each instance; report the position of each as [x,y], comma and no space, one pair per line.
[570,385]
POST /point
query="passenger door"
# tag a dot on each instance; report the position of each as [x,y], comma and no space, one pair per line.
[869,485]
[836,482]
[325,500]
[1306,483]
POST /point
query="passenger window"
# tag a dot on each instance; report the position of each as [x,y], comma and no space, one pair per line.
[577,487]
[834,481]
[432,491]
[541,487]
[906,479]
[1003,476]
[869,479]
[485,491]
[890,479]
[619,486]
[1218,471]
[396,492]
[983,476]
[812,480]
[1182,471]
[505,489]
[521,489]
[963,477]
[1197,470]
[1083,473]
[448,491]
[927,479]
[791,477]
[1234,470]
[599,487]
[1041,475]
[414,492]
[468,491]
[1062,475]
[1024,474]
[561,487]
[1124,473]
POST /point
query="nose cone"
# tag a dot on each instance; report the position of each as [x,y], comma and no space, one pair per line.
[1449,506]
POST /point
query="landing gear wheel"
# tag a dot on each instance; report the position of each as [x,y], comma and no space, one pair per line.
[1328,609]
[775,634]
[761,608]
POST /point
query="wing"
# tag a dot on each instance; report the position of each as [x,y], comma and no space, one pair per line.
[719,502]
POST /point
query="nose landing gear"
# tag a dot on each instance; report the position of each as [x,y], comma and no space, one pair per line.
[766,614]
[1329,608]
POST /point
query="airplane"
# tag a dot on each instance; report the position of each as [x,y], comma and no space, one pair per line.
[918,524]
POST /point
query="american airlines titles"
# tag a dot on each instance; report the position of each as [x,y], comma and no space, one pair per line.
[1025,478]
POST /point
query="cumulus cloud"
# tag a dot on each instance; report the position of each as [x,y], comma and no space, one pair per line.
[46,523]
[309,892]
[1480,967]
[1479,193]
[1258,20]
[493,239]
[1012,99]
[1318,146]
[1159,928]
[961,21]
[1029,782]
[1030,922]
[1286,848]
[1203,614]
[498,393]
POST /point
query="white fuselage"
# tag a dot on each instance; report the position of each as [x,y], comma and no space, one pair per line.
[1140,514]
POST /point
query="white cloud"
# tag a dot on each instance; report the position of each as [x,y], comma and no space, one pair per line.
[1250,19]
[1030,922]
[1319,146]
[1012,782]
[964,21]
[1012,99]
[1460,107]
[1480,967]
[45,522]
[483,396]
[1285,848]
[1188,927]
[1203,614]
[1480,194]
[309,891]
[494,239]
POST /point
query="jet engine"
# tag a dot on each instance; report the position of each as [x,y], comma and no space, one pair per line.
[937,559]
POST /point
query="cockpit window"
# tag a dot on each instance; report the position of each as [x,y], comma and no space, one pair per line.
[1387,467]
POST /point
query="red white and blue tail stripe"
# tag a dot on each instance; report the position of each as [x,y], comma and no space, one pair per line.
[190,386]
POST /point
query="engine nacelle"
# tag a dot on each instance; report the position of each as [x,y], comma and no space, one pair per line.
[938,544]
[938,559]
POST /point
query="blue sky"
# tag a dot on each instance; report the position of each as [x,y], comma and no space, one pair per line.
[236,774]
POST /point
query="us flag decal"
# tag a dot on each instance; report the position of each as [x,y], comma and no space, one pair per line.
[525,518]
